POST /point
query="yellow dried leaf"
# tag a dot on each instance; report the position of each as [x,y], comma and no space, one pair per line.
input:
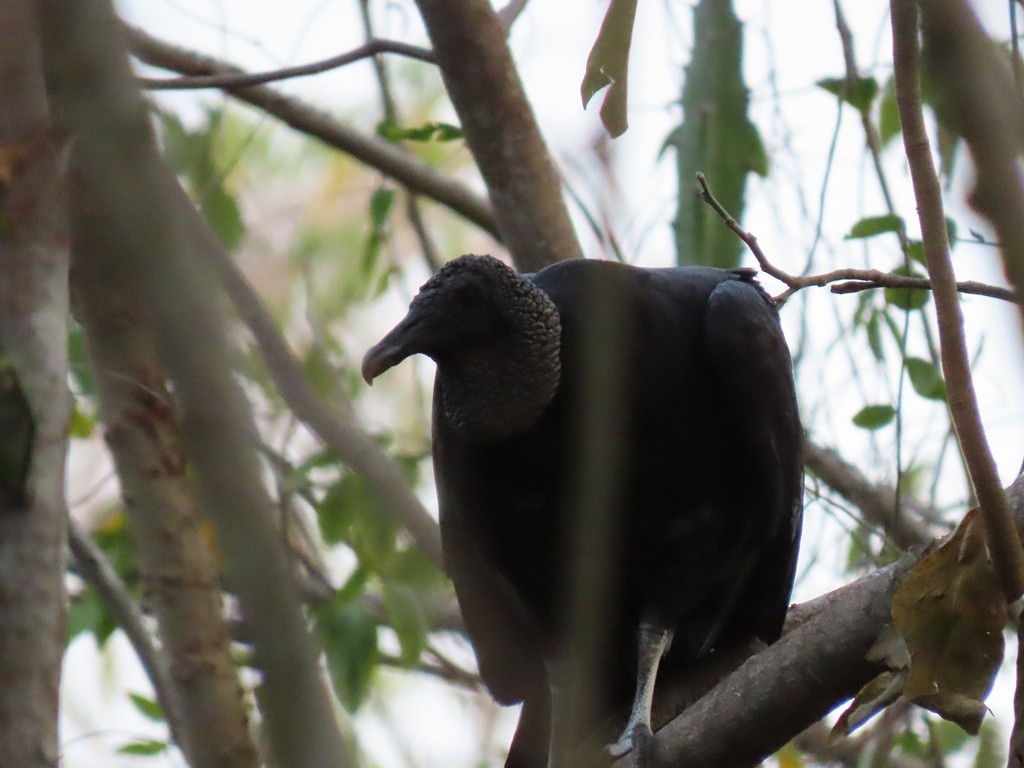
[869,701]
[951,612]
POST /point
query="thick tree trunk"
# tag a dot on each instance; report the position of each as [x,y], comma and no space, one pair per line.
[34,406]
[204,705]
[123,190]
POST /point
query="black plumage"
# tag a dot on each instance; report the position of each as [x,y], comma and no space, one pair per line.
[707,529]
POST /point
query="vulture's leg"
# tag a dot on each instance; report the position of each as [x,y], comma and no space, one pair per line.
[653,643]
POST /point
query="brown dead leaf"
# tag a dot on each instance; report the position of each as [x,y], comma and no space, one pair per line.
[608,65]
[951,612]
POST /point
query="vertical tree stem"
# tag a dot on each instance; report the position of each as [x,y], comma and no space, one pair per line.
[1001,534]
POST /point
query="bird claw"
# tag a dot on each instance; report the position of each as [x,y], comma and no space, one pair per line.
[639,739]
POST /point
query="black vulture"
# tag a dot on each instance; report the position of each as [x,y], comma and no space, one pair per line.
[707,531]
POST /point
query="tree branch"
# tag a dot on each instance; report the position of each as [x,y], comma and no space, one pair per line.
[1002,538]
[356,448]
[34,404]
[904,526]
[178,572]
[126,192]
[818,663]
[501,131]
[376,153]
[863,279]
[977,85]
[227,80]
[91,564]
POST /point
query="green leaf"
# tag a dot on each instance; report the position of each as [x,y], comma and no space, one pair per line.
[907,298]
[220,208]
[413,568]
[990,747]
[951,232]
[149,708]
[608,65]
[391,131]
[915,251]
[950,736]
[350,513]
[82,424]
[873,330]
[144,748]
[348,634]
[319,372]
[353,587]
[888,113]
[874,416]
[113,538]
[380,206]
[85,613]
[339,509]
[925,378]
[876,225]
[407,620]
[910,744]
[859,94]
[78,361]
[380,211]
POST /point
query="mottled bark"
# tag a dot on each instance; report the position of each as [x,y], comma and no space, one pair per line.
[34,405]
[124,190]
[204,705]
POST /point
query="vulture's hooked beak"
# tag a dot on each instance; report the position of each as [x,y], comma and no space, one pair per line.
[398,344]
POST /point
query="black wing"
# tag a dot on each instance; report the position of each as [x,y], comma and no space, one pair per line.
[504,635]
[752,363]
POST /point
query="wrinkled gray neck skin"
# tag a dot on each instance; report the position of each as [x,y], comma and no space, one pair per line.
[500,387]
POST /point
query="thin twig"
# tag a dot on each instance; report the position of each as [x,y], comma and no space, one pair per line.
[855,279]
[449,673]
[413,210]
[1001,535]
[89,562]
[238,80]
[376,153]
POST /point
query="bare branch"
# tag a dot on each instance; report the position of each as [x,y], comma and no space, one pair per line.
[365,51]
[376,153]
[91,564]
[1003,541]
[857,279]
[903,526]
[818,663]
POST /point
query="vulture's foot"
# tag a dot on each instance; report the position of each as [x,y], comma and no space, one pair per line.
[639,740]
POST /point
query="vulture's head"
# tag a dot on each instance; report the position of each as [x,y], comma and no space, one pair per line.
[495,338]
